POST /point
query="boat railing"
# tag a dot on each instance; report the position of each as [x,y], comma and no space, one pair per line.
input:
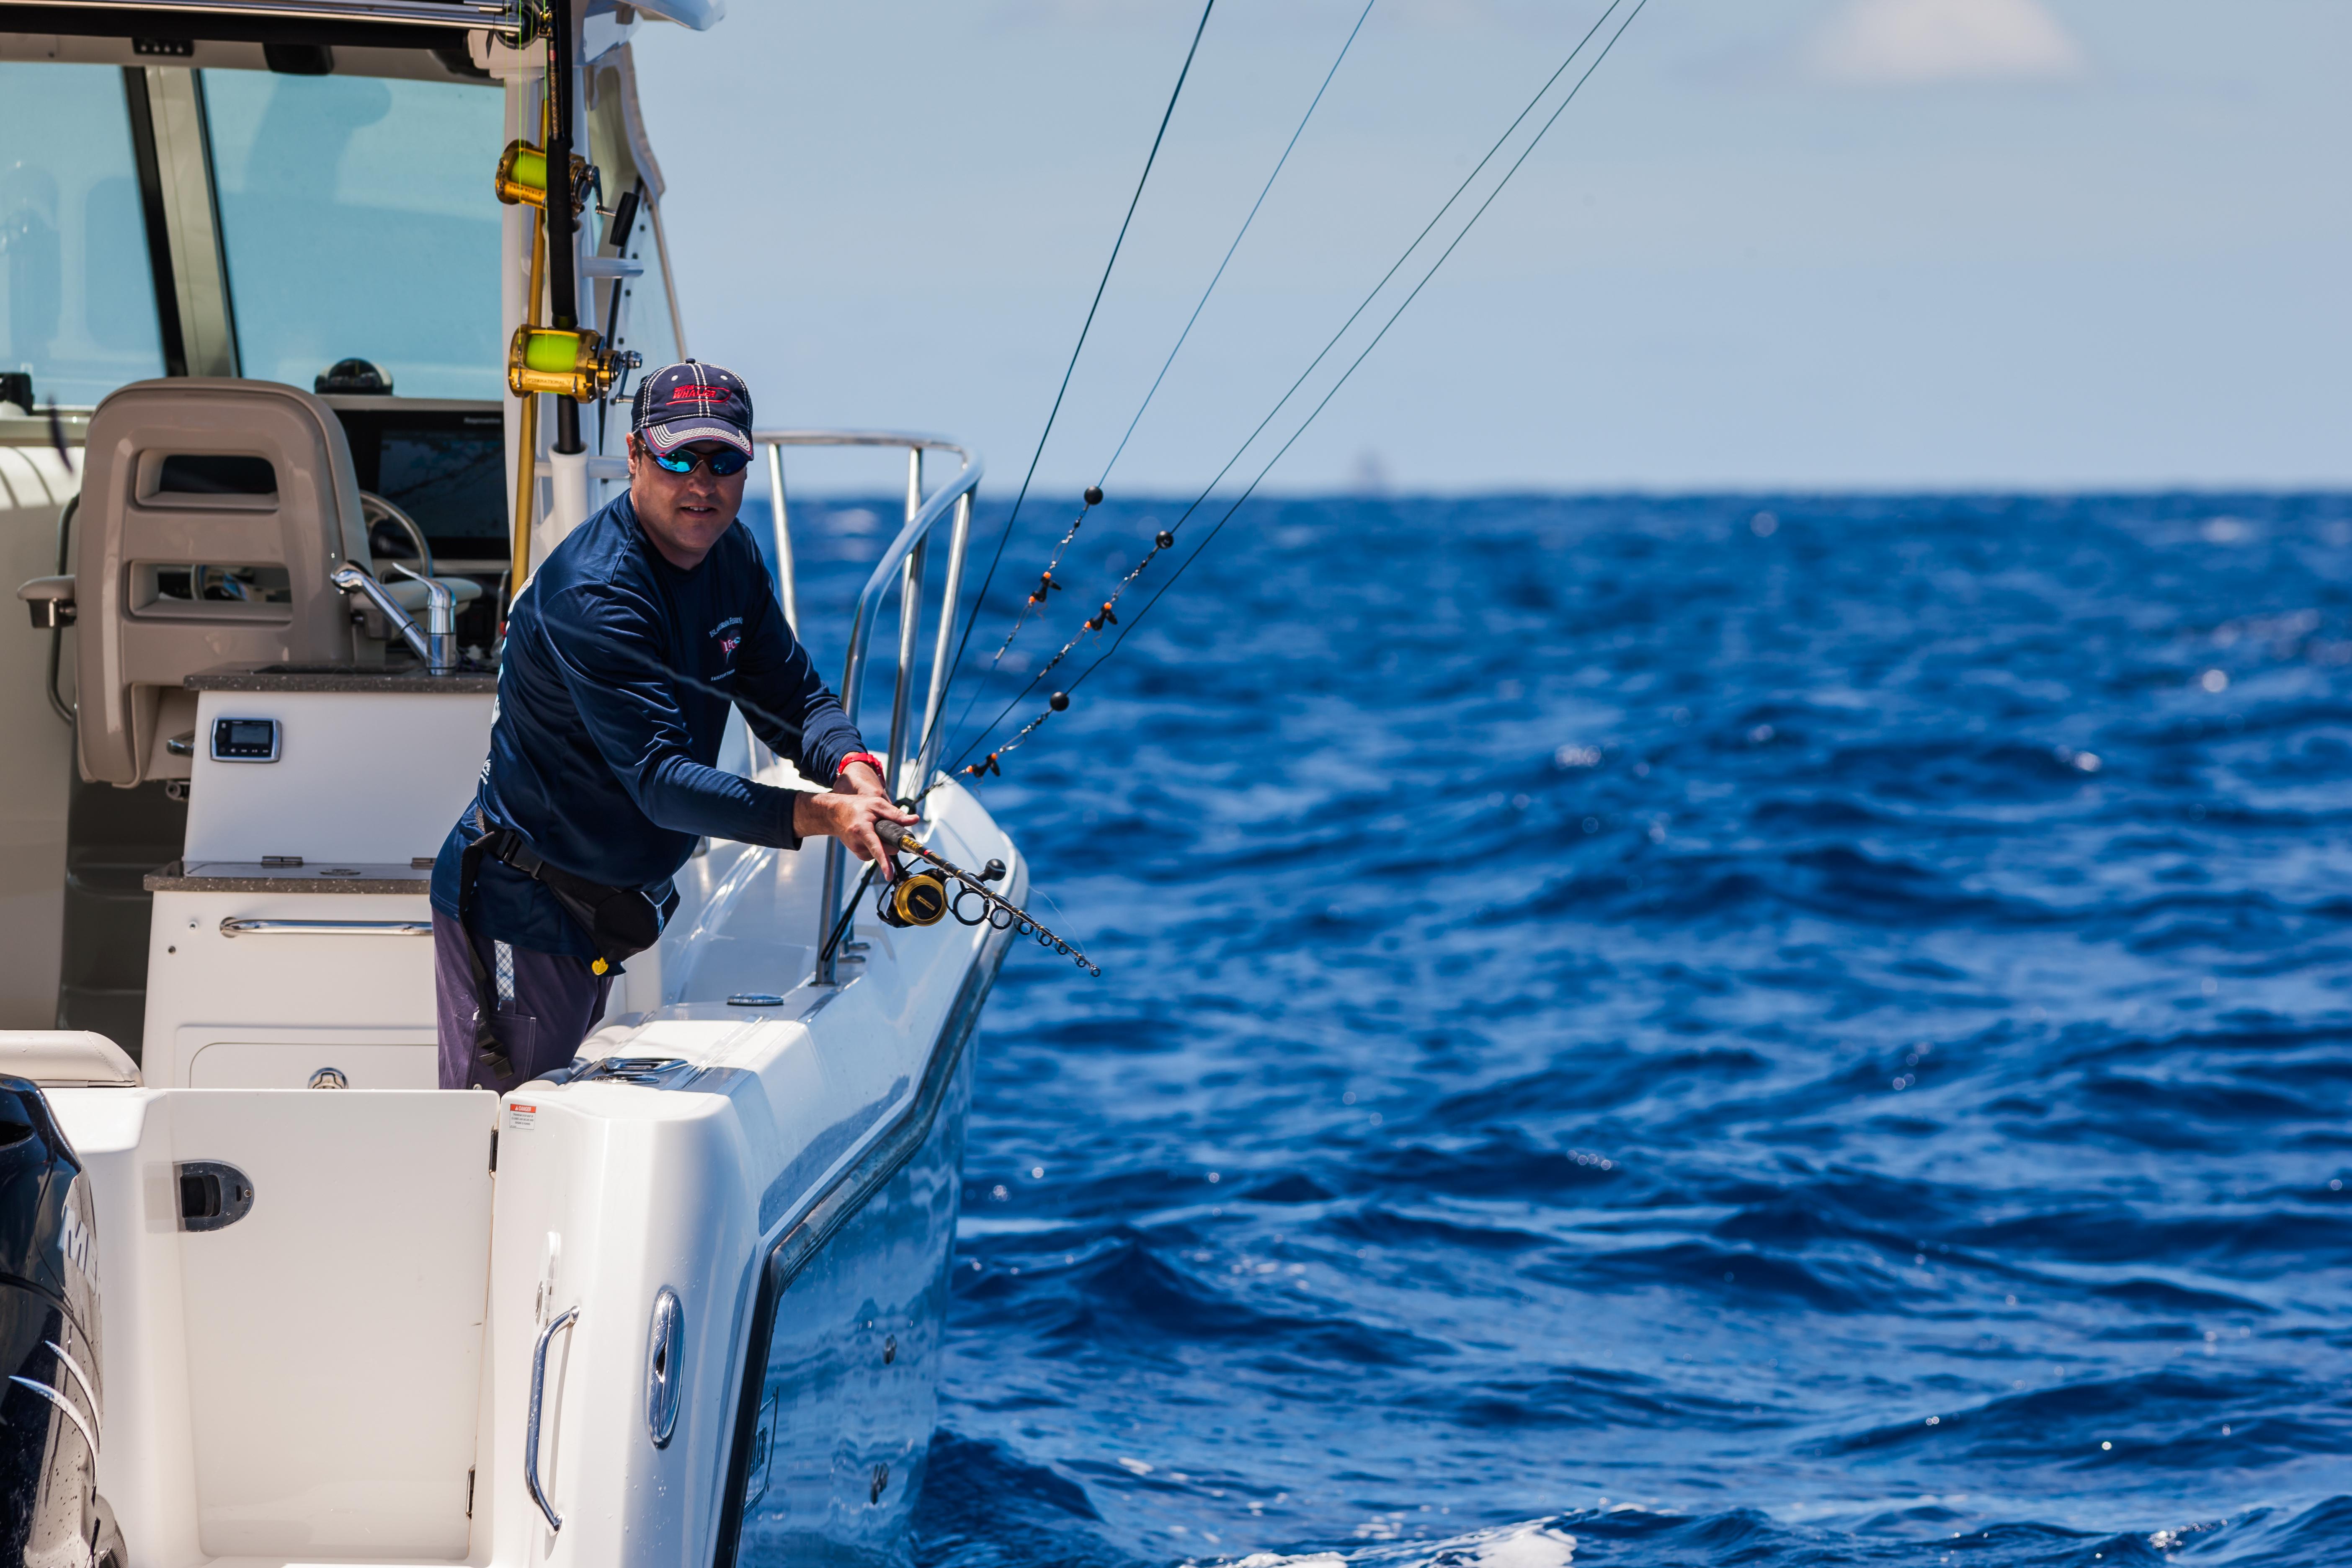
[912,753]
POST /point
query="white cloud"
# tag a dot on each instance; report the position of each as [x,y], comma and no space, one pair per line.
[1882,42]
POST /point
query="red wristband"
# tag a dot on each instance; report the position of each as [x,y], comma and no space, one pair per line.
[868,758]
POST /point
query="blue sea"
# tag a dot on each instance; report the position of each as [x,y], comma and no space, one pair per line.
[1760,1030]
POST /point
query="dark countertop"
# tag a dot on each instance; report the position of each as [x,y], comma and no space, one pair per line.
[321,876]
[395,678]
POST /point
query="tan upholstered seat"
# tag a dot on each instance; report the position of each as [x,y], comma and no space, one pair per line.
[212,512]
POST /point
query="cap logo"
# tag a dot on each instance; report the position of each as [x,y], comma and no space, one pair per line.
[699,394]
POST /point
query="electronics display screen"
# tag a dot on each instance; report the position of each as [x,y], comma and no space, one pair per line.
[445,468]
[244,740]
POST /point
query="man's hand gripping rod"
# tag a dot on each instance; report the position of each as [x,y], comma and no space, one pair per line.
[905,898]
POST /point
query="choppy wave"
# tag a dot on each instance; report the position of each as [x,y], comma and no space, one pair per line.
[1632,1037]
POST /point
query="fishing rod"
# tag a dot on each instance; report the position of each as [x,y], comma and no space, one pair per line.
[908,898]
[921,897]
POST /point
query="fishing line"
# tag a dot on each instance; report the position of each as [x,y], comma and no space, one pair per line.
[1406,254]
[918,899]
[644,660]
[1237,245]
[1166,539]
[1006,532]
[1227,517]
[1047,583]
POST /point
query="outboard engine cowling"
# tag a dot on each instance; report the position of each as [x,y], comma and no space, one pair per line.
[50,1424]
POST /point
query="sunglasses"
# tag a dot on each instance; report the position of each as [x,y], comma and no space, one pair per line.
[723,463]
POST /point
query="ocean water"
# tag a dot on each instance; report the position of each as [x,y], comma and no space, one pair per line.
[1644,1031]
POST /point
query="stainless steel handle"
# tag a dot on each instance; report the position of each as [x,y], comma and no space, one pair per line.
[531,1433]
[235,927]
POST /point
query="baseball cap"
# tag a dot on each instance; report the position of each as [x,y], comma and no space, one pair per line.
[691,402]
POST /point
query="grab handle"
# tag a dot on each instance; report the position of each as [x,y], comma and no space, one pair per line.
[531,1433]
[235,927]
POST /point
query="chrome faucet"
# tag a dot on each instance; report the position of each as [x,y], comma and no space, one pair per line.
[436,645]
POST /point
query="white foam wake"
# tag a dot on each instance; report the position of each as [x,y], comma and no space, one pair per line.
[1538,1544]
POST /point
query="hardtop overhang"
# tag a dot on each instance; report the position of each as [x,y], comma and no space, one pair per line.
[357,24]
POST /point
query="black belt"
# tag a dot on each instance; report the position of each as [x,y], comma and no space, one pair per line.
[620,921]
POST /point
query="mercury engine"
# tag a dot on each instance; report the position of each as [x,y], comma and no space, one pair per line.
[51,1513]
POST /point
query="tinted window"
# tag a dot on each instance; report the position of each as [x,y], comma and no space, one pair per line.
[77,300]
[359,223]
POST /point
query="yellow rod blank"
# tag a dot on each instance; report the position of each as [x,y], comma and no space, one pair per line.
[527,457]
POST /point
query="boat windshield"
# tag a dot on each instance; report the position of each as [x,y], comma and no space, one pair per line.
[357,222]
[76,299]
[354,219]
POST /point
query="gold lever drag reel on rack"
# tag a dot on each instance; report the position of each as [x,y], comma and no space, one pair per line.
[569,362]
[921,897]
[562,359]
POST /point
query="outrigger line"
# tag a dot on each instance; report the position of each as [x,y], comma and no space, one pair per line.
[1094,492]
[1165,539]
[1067,371]
[1046,583]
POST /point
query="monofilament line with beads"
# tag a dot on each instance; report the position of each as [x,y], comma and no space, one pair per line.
[1047,583]
[1078,348]
[1165,540]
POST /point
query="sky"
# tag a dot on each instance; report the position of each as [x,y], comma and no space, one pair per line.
[1772,244]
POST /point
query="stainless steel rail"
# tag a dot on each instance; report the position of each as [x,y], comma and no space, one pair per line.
[530,1431]
[235,927]
[911,756]
[34,430]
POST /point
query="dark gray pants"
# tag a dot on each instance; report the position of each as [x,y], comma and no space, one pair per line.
[543,1007]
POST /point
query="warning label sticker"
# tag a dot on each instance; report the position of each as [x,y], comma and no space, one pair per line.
[522,1117]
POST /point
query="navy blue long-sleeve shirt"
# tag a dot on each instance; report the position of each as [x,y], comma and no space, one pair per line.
[612,703]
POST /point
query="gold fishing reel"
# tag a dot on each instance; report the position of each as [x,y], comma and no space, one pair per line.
[920,898]
[570,361]
[522,177]
[916,899]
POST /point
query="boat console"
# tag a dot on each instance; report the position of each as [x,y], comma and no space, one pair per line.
[272,869]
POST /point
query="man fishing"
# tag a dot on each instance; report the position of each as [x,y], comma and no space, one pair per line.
[623,653]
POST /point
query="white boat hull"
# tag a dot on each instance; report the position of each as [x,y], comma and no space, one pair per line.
[344,1371]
